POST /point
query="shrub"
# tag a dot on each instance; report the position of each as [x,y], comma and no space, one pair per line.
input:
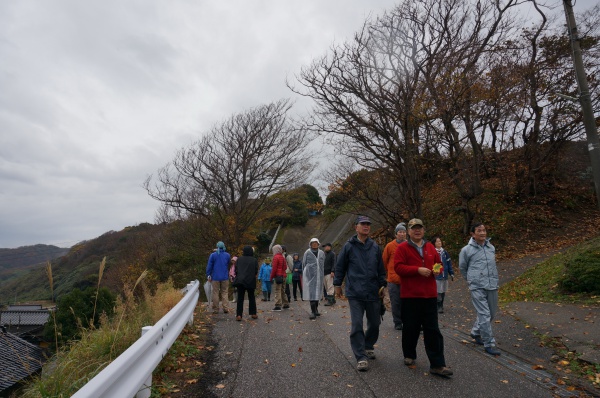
[582,273]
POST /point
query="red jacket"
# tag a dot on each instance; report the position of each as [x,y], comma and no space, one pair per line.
[407,261]
[279,266]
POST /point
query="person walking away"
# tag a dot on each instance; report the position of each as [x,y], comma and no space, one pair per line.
[288,276]
[217,271]
[297,276]
[313,263]
[477,263]
[278,275]
[393,278]
[361,264]
[442,279]
[246,269]
[414,261]
[328,274]
[232,278]
[264,276]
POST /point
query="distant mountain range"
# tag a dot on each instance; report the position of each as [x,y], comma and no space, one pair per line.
[29,255]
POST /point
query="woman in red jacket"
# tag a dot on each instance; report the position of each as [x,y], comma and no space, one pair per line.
[278,274]
[414,261]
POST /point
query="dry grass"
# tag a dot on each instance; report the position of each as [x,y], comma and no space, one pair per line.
[74,365]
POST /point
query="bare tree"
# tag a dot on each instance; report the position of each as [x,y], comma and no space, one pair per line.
[227,175]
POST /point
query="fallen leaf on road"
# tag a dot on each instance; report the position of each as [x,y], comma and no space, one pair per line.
[537,367]
[560,382]
[299,349]
[220,386]
[267,361]
[336,374]
[563,363]
[350,385]
[505,381]
[228,353]
[293,365]
[192,381]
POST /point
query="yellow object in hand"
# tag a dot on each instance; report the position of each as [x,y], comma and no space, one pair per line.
[437,268]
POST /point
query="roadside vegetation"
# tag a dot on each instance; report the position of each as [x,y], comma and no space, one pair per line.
[569,277]
[76,362]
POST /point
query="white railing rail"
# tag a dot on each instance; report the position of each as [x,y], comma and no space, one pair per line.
[130,374]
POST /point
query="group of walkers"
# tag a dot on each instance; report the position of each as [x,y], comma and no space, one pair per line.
[414,273]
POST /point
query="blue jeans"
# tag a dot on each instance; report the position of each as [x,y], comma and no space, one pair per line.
[359,339]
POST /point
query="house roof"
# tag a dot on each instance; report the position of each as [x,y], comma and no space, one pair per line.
[18,359]
[24,317]
[24,307]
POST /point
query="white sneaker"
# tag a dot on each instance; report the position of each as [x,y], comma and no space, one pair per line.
[362,366]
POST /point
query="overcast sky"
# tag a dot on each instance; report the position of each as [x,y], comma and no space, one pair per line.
[96,95]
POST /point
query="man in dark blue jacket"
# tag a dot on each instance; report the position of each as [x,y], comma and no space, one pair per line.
[360,262]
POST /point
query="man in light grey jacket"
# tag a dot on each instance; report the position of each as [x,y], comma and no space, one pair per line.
[477,263]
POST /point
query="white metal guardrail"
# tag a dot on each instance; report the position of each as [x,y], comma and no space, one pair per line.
[130,374]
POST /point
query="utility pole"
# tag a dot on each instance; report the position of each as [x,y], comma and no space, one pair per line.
[589,121]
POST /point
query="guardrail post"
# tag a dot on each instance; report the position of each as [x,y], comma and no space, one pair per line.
[146,388]
[191,320]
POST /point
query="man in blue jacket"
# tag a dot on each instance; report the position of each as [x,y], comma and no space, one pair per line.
[477,264]
[360,262]
[217,271]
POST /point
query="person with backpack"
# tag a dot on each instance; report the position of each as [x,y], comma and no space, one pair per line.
[246,269]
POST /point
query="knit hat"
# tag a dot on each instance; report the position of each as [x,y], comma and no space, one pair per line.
[399,227]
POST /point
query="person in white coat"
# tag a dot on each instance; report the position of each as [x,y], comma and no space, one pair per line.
[313,264]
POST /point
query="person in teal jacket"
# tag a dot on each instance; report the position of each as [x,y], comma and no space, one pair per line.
[264,276]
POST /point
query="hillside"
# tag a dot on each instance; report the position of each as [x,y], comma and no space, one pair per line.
[561,214]
[14,262]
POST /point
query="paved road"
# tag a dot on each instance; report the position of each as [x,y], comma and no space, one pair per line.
[286,354]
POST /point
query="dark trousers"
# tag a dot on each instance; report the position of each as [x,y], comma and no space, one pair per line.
[240,301]
[417,312]
[297,284]
[361,340]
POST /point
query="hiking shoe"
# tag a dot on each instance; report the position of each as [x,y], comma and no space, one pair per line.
[254,316]
[409,361]
[286,306]
[277,309]
[225,311]
[442,371]
[238,318]
[312,316]
[362,366]
[492,350]
[370,354]
[398,326]
[477,339]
